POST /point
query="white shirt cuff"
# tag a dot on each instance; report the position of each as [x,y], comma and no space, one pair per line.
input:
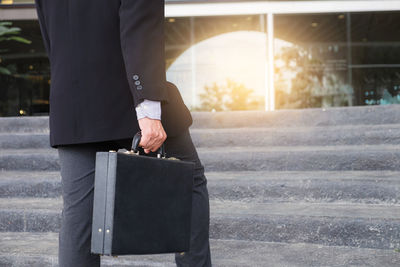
[150,109]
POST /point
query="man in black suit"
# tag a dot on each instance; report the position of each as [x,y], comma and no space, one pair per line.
[108,82]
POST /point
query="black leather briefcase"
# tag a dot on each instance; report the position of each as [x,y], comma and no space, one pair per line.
[142,204]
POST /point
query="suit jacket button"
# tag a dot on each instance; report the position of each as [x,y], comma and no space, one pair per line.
[139,87]
[135,77]
[137,82]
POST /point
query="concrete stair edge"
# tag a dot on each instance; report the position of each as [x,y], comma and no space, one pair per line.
[332,158]
[292,136]
[40,249]
[358,225]
[294,117]
[309,186]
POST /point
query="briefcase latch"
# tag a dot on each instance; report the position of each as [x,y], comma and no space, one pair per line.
[125,151]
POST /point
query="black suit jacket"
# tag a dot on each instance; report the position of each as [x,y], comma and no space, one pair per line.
[106,56]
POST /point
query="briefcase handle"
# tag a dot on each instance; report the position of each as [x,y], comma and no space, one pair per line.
[135,146]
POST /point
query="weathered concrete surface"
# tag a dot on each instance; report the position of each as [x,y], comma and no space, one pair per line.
[29,159]
[308,178]
[388,114]
[31,124]
[24,140]
[272,158]
[30,183]
[375,187]
[358,225]
[304,158]
[267,136]
[297,136]
[40,249]
[306,186]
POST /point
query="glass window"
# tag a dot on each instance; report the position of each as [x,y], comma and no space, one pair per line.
[24,70]
[375,49]
[311,61]
[219,62]
[224,66]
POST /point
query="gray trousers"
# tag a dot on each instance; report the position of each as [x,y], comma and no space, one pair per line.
[77,174]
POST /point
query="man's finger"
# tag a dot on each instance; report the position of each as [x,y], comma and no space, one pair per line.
[145,141]
[149,144]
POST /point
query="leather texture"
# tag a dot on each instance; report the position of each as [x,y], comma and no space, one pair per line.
[152,205]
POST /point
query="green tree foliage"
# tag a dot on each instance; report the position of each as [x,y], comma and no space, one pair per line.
[239,96]
[229,96]
[314,84]
[213,98]
[307,71]
[8,33]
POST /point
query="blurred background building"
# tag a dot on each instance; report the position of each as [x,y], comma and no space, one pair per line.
[238,55]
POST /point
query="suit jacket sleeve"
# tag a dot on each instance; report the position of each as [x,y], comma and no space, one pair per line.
[143,49]
[43,27]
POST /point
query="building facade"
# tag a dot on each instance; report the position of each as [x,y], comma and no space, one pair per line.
[238,55]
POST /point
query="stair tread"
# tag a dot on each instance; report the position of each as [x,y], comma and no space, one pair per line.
[29,151]
[243,209]
[2,134]
[297,128]
[258,186]
[7,176]
[220,176]
[241,149]
[224,253]
[275,129]
[303,175]
[267,149]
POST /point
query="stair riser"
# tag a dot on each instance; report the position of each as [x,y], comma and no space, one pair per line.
[308,191]
[24,124]
[30,189]
[13,141]
[311,138]
[255,161]
[361,191]
[371,115]
[363,233]
[224,253]
[296,117]
[52,261]
[36,221]
[242,138]
[28,261]
[30,162]
[300,160]
[383,234]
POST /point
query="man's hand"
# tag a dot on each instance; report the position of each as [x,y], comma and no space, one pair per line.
[153,134]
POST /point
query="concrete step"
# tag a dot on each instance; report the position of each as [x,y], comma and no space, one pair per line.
[342,224]
[24,140]
[30,183]
[377,187]
[278,136]
[361,115]
[301,158]
[370,187]
[29,159]
[40,249]
[272,158]
[21,124]
[298,136]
